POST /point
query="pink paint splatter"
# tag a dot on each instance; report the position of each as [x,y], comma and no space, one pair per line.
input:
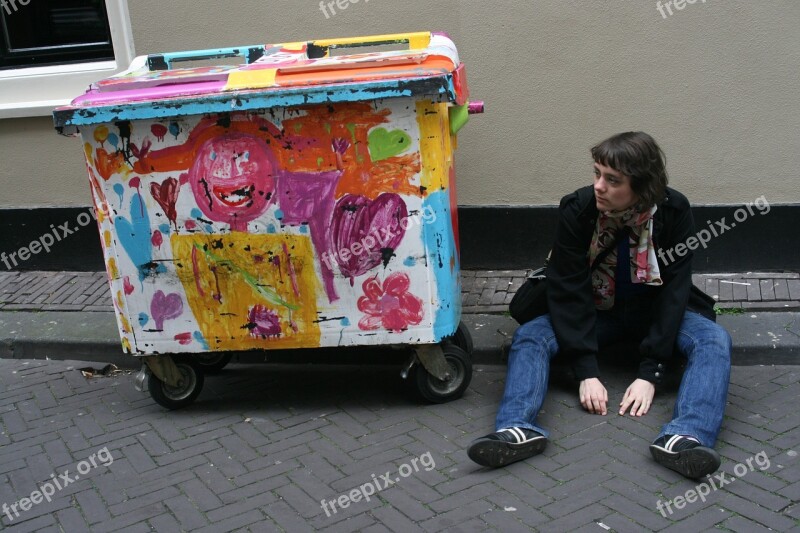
[135,183]
[157,239]
[263,322]
[141,153]
[160,131]
[196,270]
[184,338]
[340,147]
[128,286]
[292,272]
[190,225]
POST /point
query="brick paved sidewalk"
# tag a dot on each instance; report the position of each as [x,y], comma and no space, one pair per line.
[483,291]
[263,446]
[491,291]
[54,291]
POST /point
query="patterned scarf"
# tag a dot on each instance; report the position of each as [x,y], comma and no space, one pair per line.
[643,263]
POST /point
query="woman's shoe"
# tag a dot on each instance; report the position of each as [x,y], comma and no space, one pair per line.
[685,455]
[506,446]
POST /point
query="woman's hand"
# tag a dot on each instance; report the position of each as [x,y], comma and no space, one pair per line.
[593,395]
[640,396]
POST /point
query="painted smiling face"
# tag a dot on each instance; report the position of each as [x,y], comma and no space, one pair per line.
[233,179]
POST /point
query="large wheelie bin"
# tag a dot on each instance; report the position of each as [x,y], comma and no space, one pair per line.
[303,198]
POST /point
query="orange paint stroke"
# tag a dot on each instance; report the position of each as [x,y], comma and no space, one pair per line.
[393,175]
[306,144]
[109,164]
[180,158]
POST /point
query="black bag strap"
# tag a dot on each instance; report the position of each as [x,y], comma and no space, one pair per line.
[624,232]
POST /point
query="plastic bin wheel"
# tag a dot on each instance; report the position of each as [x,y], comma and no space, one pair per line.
[462,338]
[436,391]
[213,363]
[183,395]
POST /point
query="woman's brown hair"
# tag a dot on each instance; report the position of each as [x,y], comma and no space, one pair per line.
[638,156]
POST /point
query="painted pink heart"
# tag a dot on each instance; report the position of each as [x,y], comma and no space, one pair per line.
[129,288]
[166,194]
[165,307]
[366,232]
[184,338]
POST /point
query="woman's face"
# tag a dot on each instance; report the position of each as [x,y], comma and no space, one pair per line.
[612,189]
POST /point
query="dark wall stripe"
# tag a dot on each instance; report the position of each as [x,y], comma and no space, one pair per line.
[492,237]
[78,251]
[496,237]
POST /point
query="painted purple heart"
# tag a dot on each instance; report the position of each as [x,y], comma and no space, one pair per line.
[366,232]
[165,307]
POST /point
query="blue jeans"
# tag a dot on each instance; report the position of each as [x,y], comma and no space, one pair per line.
[702,394]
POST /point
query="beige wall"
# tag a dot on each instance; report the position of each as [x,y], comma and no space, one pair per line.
[716,83]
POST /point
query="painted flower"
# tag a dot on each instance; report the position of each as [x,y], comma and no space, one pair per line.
[390,306]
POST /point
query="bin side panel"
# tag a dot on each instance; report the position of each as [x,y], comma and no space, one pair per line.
[289,227]
[440,239]
[104,215]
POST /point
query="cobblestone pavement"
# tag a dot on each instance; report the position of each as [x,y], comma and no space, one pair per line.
[263,445]
[490,291]
[482,291]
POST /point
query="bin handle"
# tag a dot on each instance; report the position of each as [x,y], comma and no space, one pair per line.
[415,41]
[164,61]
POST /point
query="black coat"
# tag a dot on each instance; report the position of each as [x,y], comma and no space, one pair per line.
[569,286]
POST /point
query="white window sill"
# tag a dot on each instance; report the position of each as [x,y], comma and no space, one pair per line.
[36,91]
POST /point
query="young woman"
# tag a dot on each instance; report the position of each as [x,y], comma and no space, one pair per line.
[639,290]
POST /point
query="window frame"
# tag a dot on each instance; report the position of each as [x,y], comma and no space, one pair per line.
[37,90]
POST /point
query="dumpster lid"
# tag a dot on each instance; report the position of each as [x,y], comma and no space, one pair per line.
[273,75]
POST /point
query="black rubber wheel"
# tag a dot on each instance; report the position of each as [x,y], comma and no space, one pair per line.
[178,397]
[462,338]
[433,390]
[213,363]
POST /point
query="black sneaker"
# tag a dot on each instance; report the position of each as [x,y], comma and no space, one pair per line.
[685,455]
[506,446]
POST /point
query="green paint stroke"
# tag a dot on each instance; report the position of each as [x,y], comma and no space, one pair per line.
[352,129]
[266,292]
[384,144]
[459,116]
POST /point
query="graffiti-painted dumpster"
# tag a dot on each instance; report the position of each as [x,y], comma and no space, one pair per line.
[300,199]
